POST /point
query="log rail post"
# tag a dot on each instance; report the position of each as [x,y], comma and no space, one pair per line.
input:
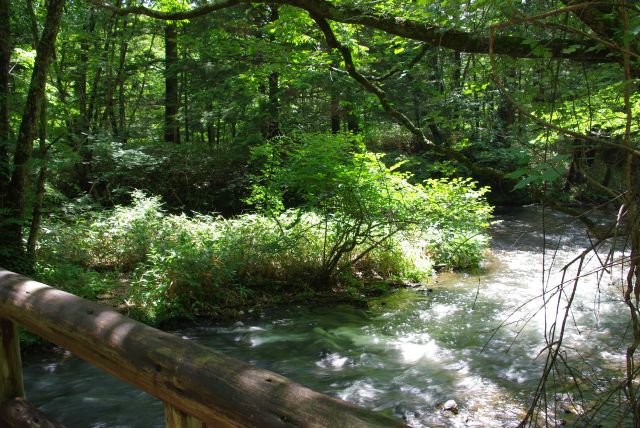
[199,386]
[11,385]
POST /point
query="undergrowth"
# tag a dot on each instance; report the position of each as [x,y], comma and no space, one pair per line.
[183,266]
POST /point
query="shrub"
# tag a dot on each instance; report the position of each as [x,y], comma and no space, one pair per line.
[182,266]
[116,239]
[364,204]
[75,279]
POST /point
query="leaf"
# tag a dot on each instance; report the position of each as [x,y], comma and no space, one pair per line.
[517,173]
[398,165]
[549,175]
[570,49]
[523,183]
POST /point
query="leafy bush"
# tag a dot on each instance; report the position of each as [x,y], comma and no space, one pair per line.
[206,262]
[459,216]
[75,279]
[373,224]
[365,204]
[116,239]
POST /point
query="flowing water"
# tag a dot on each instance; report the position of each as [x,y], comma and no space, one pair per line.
[407,353]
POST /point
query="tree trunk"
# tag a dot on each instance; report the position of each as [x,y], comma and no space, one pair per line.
[171,101]
[334,111]
[272,126]
[211,131]
[81,128]
[119,122]
[11,233]
[184,92]
[353,124]
[272,122]
[122,106]
[11,384]
[457,70]
[5,58]
[36,217]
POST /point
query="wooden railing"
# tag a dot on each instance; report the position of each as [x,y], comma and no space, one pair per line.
[199,386]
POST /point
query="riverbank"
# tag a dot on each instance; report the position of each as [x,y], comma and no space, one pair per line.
[157,266]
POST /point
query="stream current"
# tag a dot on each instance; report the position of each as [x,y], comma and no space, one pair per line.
[407,353]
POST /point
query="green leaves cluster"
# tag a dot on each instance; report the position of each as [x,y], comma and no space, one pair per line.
[364,203]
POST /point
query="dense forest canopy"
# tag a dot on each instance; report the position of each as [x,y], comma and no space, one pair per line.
[351,125]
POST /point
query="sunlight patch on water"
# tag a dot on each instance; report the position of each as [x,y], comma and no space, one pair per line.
[416,347]
[361,392]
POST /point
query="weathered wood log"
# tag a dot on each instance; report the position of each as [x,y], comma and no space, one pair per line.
[199,381]
[176,418]
[19,413]
[10,364]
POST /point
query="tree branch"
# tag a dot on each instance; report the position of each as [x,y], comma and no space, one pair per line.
[513,46]
[400,117]
[425,48]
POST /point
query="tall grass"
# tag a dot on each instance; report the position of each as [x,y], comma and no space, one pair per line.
[182,266]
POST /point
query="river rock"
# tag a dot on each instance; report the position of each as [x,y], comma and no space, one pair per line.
[569,405]
[450,406]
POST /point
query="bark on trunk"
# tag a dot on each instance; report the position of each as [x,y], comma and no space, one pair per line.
[5,58]
[36,217]
[11,233]
[171,127]
[335,111]
[272,125]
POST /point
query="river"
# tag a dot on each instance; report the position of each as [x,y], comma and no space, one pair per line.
[411,351]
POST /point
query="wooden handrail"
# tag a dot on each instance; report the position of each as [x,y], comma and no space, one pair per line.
[193,380]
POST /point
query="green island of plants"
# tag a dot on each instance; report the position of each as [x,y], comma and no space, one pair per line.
[330,217]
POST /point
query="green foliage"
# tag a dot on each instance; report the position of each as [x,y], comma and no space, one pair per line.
[459,217]
[75,279]
[182,266]
[105,240]
[207,262]
[363,204]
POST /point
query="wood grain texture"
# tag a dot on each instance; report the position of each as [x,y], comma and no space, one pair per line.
[11,385]
[176,418]
[214,388]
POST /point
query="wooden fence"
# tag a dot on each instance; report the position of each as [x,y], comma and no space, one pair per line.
[199,386]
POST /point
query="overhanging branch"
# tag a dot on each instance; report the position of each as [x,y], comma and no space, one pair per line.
[400,117]
[513,46]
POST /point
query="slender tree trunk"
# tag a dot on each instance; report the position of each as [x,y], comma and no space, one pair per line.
[353,123]
[141,89]
[417,98]
[81,131]
[187,128]
[108,119]
[334,110]
[210,128]
[119,116]
[34,230]
[5,58]
[171,103]
[457,69]
[184,90]
[11,234]
[218,127]
[272,123]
